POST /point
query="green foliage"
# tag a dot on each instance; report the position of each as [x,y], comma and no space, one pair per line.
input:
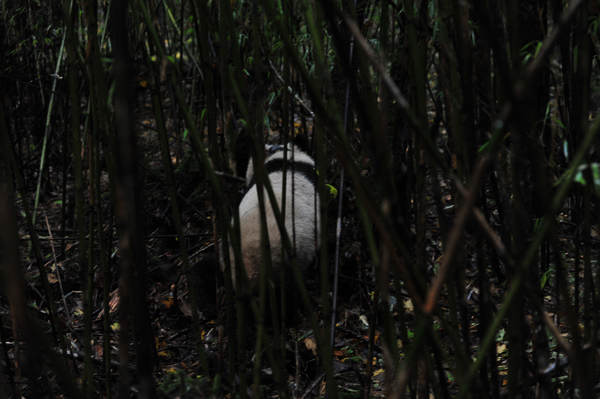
[546,277]
[537,224]
[580,174]
[594,169]
[530,51]
[178,383]
[500,335]
[333,192]
[594,24]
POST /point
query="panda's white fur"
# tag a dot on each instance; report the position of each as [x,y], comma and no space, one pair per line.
[300,194]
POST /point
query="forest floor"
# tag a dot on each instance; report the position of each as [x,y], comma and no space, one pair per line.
[180,365]
[358,353]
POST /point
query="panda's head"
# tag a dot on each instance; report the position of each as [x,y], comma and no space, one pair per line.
[275,154]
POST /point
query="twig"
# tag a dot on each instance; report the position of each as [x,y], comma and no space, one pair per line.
[230,176]
[556,333]
[480,218]
[338,224]
[56,268]
[454,236]
[379,66]
[291,90]
[312,386]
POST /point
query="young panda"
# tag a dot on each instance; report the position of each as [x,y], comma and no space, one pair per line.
[301,211]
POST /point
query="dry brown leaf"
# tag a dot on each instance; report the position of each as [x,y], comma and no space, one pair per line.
[311,345]
[168,302]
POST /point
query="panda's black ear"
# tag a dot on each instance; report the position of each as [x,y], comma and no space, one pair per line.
[242,151]
[302,142]
[273,148]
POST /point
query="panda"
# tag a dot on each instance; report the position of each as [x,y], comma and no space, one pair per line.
[301,212]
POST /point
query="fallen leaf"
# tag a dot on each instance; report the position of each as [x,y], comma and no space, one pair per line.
[500,348]
[167,303]
[364,320]
[311,345]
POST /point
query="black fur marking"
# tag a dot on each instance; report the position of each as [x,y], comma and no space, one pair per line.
[277,165]
[274,148]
